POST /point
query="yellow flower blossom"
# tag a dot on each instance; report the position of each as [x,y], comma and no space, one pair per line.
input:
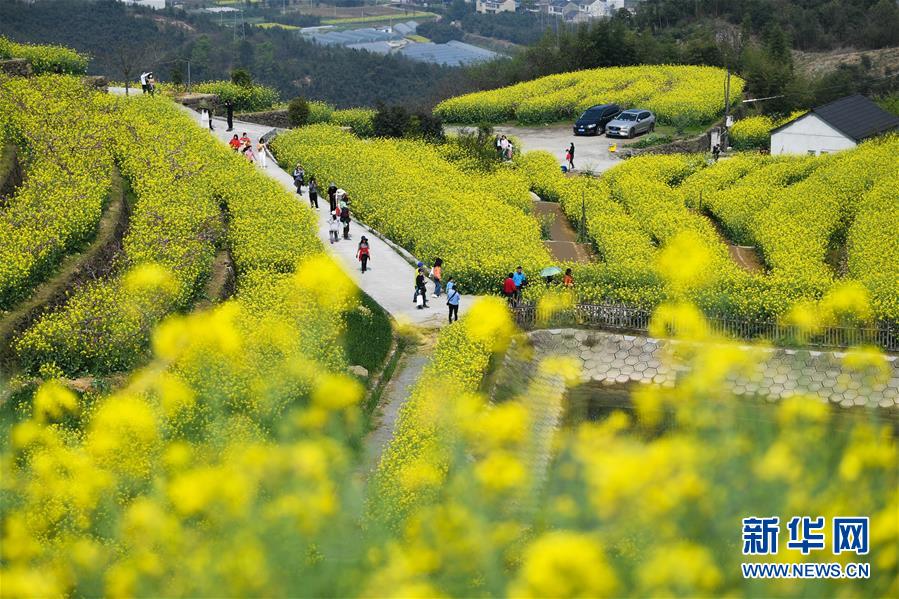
[564,564]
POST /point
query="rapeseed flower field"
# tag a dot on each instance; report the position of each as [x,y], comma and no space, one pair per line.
[797,211]
[228,455]
[683,95]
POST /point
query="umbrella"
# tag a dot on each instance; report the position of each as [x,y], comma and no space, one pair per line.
[550,271]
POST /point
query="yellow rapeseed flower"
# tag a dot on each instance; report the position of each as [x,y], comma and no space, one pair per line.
[564,564]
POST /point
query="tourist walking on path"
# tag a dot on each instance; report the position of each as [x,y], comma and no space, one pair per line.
[299,176]
[332,196]
[569,156]
[437,275]
[145,87]
[206,117]
[313,193]
[334,229]
[421,291]
[509,289]
[505,148]
[520,281]
[262,150]
[248,152]
[452,301]
[363,253]
[345,219]
[229,113]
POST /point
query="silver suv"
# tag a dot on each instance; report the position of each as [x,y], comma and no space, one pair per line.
[630,123]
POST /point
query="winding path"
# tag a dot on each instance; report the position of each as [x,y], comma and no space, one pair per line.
[391,273]
[390,281]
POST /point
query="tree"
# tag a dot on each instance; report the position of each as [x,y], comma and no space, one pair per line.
[200,56]
[391,121]
[242,78]
[177,74]
[882,27]
[298,112]
[428,127]
[130,58]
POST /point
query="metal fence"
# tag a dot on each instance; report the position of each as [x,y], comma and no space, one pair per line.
[624,318]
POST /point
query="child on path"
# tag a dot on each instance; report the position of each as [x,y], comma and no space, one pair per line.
[569,157]
[363,253]
[452,301]
[313,193]
[334,228]
[235,143]
[420,289]
[437,275]
[248,152]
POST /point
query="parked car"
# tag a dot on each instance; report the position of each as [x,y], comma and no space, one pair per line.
[595,118]
[631,122]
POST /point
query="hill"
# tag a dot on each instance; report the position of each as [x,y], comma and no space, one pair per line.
[123,41]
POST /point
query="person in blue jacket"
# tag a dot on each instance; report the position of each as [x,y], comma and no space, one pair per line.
[520,280]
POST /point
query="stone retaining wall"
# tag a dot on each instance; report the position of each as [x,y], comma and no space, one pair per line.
[16,67]
[270,118]
[680,146]
[780,373]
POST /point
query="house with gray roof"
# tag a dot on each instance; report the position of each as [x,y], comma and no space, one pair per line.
[839,125]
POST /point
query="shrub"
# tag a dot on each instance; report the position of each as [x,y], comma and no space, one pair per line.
[391,121]
[298,112]
[245,99]
[242,78]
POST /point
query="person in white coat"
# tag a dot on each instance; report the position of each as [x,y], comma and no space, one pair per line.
[262,153]
[206,118]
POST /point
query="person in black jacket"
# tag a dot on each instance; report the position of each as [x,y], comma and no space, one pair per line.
[229,111]
[421,289]
[345,219]
[332,196]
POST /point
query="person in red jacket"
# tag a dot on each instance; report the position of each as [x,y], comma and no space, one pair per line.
[509,289]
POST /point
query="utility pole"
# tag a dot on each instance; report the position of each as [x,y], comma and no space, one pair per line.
[723,141]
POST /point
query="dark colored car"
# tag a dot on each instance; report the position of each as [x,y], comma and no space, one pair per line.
[595,119]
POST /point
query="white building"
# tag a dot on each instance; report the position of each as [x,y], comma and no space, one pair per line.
[494,6]
[840,125]
[595,9]
[154,4]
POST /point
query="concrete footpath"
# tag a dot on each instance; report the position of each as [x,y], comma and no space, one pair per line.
[391,277]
